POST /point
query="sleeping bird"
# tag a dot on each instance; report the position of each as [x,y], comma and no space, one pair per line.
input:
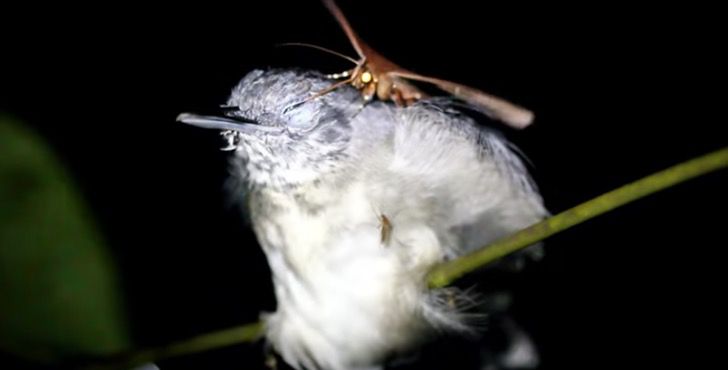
[353,202]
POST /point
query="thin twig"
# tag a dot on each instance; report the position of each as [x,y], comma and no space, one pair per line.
[447,272]
[239,334]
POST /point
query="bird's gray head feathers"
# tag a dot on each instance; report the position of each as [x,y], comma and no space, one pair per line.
[282,136]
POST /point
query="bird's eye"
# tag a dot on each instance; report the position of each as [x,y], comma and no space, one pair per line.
[297,116]
[366,77]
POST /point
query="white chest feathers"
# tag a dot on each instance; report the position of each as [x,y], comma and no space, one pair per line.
[348,278]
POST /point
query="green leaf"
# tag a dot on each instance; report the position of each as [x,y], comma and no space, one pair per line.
[58,290]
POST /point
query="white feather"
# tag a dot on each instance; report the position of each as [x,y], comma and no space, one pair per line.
[346,300]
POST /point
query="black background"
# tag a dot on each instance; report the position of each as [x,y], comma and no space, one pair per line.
[619,91]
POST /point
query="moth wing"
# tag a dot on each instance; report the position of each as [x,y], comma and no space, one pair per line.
[494,107]
[344,23]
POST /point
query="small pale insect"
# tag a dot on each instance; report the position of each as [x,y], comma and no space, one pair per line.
[385,225]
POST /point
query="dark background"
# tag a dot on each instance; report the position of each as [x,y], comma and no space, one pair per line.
[619,92]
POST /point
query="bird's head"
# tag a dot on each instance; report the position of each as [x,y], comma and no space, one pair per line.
[281,136]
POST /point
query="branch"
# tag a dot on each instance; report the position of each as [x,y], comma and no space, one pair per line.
[239,334]
[447,272]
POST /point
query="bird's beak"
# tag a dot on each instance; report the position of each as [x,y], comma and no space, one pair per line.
[225,123]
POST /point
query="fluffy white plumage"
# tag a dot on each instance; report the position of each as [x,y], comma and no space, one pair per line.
[348,296]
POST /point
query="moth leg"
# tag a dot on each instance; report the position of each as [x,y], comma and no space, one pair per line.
[336,76]
[353,75]
[396,96]
[328,89]
[409,93]
[385,88]
[368,91]
[402,92]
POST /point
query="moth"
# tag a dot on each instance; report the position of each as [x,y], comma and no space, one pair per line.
[374,75]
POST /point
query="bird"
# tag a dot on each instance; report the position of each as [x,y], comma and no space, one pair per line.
[353,202]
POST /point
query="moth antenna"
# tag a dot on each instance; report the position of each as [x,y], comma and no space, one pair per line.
[321,48]
[512,114]
[344,23]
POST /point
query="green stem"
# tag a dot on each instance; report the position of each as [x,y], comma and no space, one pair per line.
[447,272]
[223,338]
